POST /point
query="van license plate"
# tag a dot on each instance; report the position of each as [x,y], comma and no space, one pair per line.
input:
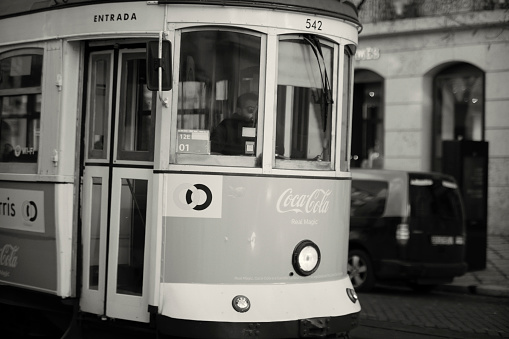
[441,240]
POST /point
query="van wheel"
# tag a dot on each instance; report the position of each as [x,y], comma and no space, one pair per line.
[360,271]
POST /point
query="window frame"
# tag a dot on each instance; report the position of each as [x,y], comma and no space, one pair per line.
[459,70]
[93,154]
[312,165]
[244,161]
[122,155]
[345,125]
[25,167]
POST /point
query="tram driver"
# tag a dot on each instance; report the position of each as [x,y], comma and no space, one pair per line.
[236,135]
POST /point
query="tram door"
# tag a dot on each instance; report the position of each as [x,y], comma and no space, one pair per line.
[116,184]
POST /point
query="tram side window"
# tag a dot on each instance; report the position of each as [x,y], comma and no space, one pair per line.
[218,97]
[345,112]
[136,121]
[20,105]
[304,104]
[99,104]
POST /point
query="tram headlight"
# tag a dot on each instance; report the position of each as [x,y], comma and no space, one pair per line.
[306,258]
[241,304]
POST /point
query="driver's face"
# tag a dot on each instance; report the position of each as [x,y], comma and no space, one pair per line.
[249,110]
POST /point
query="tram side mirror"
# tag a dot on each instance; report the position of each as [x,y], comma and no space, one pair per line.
[154,63]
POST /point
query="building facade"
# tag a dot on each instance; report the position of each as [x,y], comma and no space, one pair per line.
[428,72]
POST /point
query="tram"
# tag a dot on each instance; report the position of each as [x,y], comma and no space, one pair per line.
[176,166]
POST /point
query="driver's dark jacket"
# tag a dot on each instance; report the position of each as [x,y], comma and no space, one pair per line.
[227,137]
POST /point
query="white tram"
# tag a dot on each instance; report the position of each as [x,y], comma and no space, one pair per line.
[119,198]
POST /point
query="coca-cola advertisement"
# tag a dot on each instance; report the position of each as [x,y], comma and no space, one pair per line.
[234,225]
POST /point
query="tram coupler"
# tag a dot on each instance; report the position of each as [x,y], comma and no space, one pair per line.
[315,327]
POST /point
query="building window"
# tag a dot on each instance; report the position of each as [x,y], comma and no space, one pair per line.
[458,107]
[367,120]
[20,105]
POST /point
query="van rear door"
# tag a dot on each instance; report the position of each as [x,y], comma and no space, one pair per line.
[436,219]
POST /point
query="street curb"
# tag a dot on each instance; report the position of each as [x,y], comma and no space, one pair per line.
[493,290]
[485,290]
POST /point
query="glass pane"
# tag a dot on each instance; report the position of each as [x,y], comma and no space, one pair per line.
[345,112]
[95,232]
[136,133]
[218,93]
[99,106]
[133,212]
[20,128]
[459,107]
[367,146]
[434,199]
[304,105]
[21,71]
[368,198]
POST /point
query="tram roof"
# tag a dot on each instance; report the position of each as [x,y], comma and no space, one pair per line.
[342,9]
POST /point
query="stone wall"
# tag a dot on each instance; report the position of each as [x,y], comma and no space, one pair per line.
[408,53]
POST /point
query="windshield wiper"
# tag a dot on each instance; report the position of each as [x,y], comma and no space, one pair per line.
[326,95]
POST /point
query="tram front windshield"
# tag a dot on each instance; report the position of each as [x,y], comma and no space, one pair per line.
[218,70]
[220,81]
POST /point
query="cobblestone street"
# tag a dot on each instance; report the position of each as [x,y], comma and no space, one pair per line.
[459,315]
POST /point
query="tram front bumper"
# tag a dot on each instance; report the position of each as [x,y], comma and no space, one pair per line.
[305,328]
[298,310]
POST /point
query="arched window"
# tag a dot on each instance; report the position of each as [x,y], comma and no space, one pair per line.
[367,120]
[458,112]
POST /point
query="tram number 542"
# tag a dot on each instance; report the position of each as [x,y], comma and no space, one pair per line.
[314,24]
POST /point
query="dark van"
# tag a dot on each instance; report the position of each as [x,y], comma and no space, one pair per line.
[405,226]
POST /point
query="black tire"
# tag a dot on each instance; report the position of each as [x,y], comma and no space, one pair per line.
[360,270]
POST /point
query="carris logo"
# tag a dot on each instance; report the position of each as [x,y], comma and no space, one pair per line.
[316,202]
[8,256]
[197,197]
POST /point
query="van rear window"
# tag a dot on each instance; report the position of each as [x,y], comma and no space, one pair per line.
[368,198]
[437,197]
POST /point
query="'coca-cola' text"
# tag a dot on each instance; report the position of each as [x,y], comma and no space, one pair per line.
[316,202]
[9,256]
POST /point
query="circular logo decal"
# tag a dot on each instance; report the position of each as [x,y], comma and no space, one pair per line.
[197,197]
[29,211]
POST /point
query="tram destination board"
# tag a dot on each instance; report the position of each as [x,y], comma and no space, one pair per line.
[193,141]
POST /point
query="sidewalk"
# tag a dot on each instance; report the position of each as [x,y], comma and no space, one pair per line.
[492,281]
